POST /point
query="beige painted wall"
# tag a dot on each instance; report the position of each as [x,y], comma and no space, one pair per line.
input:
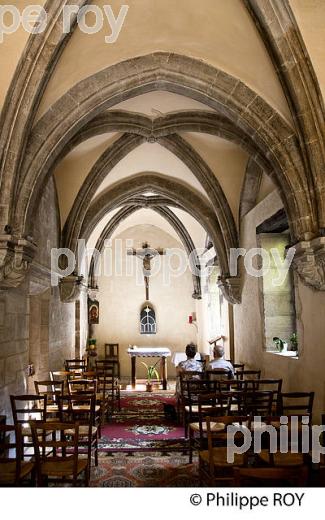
[218,32]
[227,161]
[12,46]
[121,300]
[305,373]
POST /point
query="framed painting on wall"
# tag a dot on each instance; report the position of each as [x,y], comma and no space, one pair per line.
[93,312]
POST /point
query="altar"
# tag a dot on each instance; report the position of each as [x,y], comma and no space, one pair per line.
[160,352]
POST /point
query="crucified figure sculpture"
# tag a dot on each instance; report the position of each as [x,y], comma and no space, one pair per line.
[146,254]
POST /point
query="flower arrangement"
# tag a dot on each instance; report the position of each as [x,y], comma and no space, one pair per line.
[294,341]
[92,347]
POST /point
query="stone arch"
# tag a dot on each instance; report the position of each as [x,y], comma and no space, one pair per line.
[171,218]
[31,76]
[172,72]
[250,188]
[174,191]
[164,129]
[283,40]
[186,153]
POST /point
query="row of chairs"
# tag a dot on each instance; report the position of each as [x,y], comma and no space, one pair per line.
[111,354]
[220,465]
[260,397]
[62,421]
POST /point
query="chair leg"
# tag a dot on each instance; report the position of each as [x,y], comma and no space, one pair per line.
[185,425]
[96,451]
[190,438]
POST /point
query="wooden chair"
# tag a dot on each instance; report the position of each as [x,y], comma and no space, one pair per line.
[293,455]
[270,477]
[237,366]
[218,374]
[13,470]
[105,395]
[112,355]
[274,385]
[209,404]
[192,388]
[26,408]
[81,409]
[214,466]
[81,386]
[52,389]
[257,404]
[297,403]
[245,375]
[56,447]
[86,387]
[112,385]
[75,365]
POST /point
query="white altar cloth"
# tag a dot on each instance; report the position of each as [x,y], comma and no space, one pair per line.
[149,352]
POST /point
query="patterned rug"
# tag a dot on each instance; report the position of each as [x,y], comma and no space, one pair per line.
[143,424]
[144,470]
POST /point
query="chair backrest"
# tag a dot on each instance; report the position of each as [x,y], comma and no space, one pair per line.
[185,376]
[248,374]
[271,476]
[239,421]
[258,404]
[197,387]
[211,405]
[104,365]
[56,442]
[82,386]
[72,365]
[106,383]
[274,385]
[78,408]
[297,403]
[226,385]
[112,351]
[51,389]
[238,366]
[218,374]
[10,451]
[28,407]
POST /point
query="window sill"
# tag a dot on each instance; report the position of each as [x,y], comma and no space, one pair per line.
[289,354]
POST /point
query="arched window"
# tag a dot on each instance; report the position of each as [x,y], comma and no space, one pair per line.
[148,323]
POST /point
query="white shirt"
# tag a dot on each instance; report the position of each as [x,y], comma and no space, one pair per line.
[222,363]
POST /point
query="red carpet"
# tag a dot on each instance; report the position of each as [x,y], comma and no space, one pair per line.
[144,470]
[142,425]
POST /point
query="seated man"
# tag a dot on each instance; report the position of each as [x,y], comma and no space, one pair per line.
[219,361]
[190,364]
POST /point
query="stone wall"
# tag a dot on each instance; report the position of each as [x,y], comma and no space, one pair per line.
[35,327]
[14,344]
[305,373]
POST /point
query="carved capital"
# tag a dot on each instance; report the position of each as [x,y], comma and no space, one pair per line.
[230,288]
[309,262]
[16,255]
[71,288]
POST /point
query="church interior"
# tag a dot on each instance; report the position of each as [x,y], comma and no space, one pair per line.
[160,188]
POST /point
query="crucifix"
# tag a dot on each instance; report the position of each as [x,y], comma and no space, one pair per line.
[146,254]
